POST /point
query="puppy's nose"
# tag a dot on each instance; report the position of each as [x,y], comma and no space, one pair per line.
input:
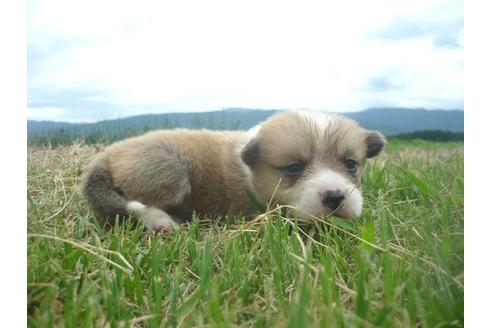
[333,198]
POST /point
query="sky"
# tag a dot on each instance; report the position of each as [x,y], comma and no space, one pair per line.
[93,60]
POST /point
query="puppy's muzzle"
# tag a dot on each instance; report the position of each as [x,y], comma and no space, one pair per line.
[332,198]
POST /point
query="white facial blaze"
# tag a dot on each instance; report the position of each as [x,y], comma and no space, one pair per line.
[320,119]
[311,194]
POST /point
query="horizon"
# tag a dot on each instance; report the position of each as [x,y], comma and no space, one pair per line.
[241,109]
[162,58]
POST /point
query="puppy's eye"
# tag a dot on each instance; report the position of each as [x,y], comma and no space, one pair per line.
[351,165]
[293,169]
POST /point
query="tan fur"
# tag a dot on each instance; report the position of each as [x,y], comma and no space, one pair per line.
[156,167]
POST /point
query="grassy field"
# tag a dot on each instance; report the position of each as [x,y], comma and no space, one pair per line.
[400,264]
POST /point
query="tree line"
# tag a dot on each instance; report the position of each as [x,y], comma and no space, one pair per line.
[64,136]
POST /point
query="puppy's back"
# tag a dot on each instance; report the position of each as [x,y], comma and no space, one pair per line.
[161,168]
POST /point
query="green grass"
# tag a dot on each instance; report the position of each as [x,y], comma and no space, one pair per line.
[400,264]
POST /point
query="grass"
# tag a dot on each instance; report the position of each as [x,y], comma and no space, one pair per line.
[400,264]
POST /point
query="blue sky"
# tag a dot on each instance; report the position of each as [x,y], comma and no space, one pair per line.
[92,60]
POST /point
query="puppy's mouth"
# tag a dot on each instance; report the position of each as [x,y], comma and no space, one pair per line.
[340,211]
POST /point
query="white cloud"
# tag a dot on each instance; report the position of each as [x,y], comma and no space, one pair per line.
[59,114]
[206,55]
[41,113]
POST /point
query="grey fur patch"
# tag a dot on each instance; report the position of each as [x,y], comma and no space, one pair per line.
[103,198]
[375,143]
[251,153]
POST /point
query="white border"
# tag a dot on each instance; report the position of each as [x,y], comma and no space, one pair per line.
[478,110]
[478,94]
[13,101]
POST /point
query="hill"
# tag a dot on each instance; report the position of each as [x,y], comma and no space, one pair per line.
[403,120]
[389,121]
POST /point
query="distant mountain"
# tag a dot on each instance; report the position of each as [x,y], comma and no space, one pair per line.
[234,118]
[389,121]
[403,120]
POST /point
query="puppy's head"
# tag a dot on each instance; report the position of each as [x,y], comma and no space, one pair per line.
[315,158]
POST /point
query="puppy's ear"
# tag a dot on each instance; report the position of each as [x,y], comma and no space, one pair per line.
[251,152]
[375,142]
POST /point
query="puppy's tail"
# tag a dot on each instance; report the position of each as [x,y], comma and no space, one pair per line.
[103,198]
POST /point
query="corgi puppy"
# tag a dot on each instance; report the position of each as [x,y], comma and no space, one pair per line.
[310,160]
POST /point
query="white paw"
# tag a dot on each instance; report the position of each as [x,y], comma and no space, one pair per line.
[152,218]
[156,219]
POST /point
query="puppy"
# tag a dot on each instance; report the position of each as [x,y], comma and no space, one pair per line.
[310,160]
